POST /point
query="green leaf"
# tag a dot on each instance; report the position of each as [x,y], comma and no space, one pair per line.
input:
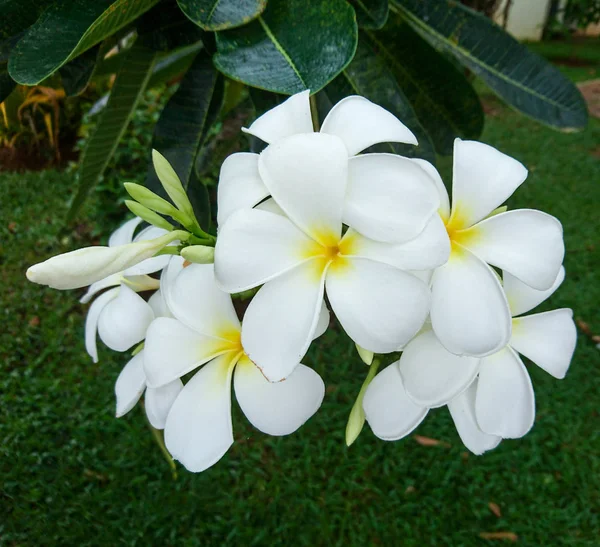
[17,15]
[7,84]
[172,66]
[369,76]
[293,46]
[67,29]
[182,129]
[76,74]
[442,97]
[523,79]
[124,96]
[371,13]
[222,14]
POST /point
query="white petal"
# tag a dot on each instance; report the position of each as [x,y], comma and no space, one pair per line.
[159,402]
[548,339]
[522,298]
[198,431]
[172,350]
[270,205]
[462,410]
[130,384]
[469,312]
[254,247]
[278,408]
[433,376]
[240,185]
[505,402]
[124,233]
[380,307]
[430,249]
[198,303]
[168,277]
[361,123]
[141,283]
[124,320]
[281,320]
[307,176]
[94,288]
[389,198]
[483,178]
[323,322]
[444,209]
[150,265]
[159,306]
[527,243]
[91,321]
[289,118]
[389,410]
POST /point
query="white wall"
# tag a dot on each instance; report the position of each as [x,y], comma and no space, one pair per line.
[526,18]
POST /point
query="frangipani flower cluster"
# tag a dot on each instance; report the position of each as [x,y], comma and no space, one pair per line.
[311,223]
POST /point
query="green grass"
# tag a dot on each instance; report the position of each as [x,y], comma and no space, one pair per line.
[70,473]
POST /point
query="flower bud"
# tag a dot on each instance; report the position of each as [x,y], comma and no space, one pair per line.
[149,216]
[199,254]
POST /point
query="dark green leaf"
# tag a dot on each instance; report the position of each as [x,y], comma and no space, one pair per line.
[182,129]
[67,29]
[262,101]
[442,97]
[294,45]
[6,83]
[222,14]
[369,76]
[523,79]
[17,15]
[174,65]
[165,28]
[76,74]
[371,13]
[124,96]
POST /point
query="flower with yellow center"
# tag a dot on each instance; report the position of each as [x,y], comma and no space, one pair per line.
[469,311]
[302,252]
[205,332]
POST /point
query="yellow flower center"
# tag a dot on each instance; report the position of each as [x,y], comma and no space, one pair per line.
[333,254]
[458,230]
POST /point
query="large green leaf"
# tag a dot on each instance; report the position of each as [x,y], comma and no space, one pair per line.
[222,14]
[182,129]
[124,96]
[371,13]
[76,74]
[7,84]
[443,99]
[369,76]
[523,79]
[294,45]
[17,15]
[67,29]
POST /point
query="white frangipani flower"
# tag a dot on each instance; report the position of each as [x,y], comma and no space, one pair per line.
[469,312]
[388,198]
[296,257]
[205,331]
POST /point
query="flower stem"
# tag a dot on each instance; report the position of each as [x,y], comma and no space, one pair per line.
[314,113]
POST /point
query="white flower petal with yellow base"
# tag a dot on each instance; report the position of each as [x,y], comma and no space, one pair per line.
[380,307]
[526,243]
[548,339]
[307,176]
[289,118]
[390,412]
[277,408]
[505,402]
[483,178]
[462,410]
[281,320]
[522,298]
[124,320]
[359,123]
[469,312]
[158,402]
[198,431]
[389,198]
[130,384]
[240,185]
[432,376]
[254,247]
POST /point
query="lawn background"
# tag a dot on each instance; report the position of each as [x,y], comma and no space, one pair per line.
[70,473]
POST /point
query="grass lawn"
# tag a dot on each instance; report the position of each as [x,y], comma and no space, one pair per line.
[70,473]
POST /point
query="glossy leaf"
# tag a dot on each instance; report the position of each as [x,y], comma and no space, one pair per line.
[222,14]
[371,14]
[295,45]
[127,89]
[369,76]
[442,97]
[67,29]
[76,74]
[523,79]
[17,15]
[182,129]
